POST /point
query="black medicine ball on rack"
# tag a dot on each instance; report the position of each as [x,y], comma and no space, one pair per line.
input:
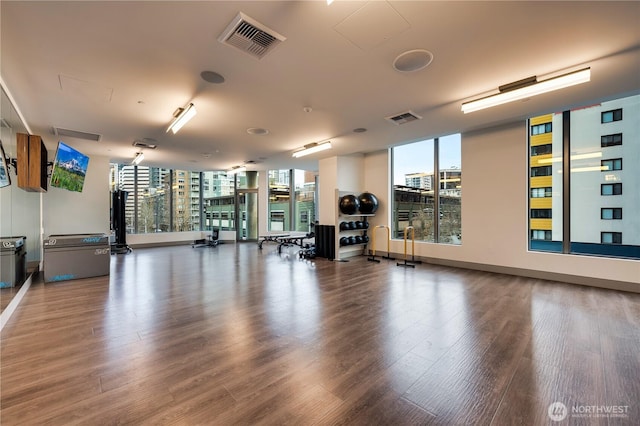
[368,203]
[349,204]
[344,226]
[344,241]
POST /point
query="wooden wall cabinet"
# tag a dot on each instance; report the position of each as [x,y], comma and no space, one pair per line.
[32,163]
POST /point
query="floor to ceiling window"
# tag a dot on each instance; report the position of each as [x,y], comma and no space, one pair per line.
[305,204]
[279,200]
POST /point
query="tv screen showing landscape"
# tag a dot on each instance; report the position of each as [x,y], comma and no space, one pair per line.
[5,178]
[69,168]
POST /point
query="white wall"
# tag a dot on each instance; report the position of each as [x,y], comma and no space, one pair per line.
[66,212]
[494,211]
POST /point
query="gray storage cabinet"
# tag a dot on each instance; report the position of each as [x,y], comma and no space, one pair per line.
[69,257]
[13,261]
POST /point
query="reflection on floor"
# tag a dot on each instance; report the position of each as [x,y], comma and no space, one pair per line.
[235,335]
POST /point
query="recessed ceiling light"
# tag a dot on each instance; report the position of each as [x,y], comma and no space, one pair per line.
[212,77]
[412,60]
[359,130]
[257,131]
[307,109]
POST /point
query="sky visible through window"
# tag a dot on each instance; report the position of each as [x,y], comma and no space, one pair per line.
[418,157]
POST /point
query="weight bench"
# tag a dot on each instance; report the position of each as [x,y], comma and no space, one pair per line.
[274,238]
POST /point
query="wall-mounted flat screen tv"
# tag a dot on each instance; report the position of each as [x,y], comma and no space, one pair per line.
[5,178]
[69,168]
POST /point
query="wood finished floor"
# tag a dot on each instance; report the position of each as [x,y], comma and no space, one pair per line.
[235,335]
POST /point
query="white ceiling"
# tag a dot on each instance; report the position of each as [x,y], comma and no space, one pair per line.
[120,69]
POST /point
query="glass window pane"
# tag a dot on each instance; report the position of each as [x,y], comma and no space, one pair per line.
[545,183]
[413,190]
[279,200]
[450,164]
[219,201]
[186,200]
[599,182]
[153,200]
[305,193]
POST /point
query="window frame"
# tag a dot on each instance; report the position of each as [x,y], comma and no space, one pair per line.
[616,189]
[616,115]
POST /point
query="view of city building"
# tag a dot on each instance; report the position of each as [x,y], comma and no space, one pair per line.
[434,215]
[166,200]
[604,148]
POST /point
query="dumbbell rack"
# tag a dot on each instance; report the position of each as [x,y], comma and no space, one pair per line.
[343,252]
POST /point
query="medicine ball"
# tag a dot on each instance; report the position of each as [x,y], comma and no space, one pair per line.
[352,240]
[365,238]
[352,225]
[359,224]
[365,225]
[368,203]
[349,204]
[344,226]
[344,241]
[358,239]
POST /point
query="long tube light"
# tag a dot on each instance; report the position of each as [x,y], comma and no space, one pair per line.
[527,88]
[181,117]
[138,158]
[312,148]
[236,169]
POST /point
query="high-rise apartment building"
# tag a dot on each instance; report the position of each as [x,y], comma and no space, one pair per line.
[604,145]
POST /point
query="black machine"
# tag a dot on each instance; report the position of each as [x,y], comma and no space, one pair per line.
[210,241]
[119,222]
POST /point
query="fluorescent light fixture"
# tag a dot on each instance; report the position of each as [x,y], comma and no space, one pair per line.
[138,158]
[236,169]
[180,117]
[312,148]
[526,88]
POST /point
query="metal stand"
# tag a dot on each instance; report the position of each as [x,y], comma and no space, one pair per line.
[373,244]
[409,263]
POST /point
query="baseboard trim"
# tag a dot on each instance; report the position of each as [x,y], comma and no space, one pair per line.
[530,273]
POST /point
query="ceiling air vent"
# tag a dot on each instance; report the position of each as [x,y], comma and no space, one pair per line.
[143,144]
[58,131]
[250,36]
[404,118]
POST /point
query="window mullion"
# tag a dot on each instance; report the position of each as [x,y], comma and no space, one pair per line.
[436,191]
[566,182]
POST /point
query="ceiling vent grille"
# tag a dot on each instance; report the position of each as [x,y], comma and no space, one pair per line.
[250,36]
[59,131]
[404,118]
[142,144]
